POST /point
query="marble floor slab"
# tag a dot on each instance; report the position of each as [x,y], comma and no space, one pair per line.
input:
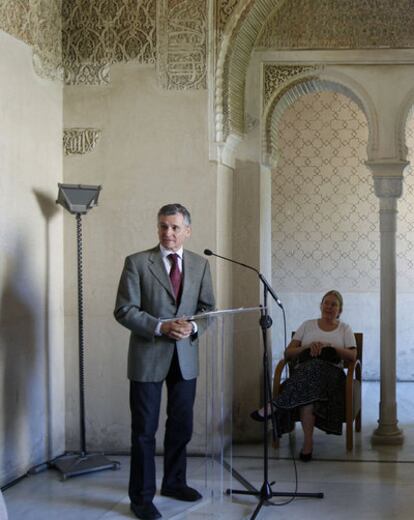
[366,483]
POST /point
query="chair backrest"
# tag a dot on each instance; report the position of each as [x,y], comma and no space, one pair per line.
[359,339]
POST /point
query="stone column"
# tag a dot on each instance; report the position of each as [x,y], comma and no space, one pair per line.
[388,181]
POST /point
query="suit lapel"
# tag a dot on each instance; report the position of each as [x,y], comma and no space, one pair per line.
[157,268]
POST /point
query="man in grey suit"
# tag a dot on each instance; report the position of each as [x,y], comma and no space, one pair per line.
[163,282]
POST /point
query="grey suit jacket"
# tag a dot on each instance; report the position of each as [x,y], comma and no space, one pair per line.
[144,295]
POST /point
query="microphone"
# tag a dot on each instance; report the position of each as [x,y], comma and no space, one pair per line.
[208,252]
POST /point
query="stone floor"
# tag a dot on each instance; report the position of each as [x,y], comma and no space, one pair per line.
[367,483]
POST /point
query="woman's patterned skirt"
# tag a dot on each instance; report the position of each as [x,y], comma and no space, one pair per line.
[314,382]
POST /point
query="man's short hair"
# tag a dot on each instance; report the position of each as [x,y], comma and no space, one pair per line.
[175,209]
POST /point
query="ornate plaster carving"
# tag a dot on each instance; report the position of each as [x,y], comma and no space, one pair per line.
[37,23]
[347,24]
[386,187]
[182,44]
[250,123]
[388,177]
[238,41]
[275,76]
[224,10]
[324,24]
[14,19]
[87,74]
[97,34]
[80,140]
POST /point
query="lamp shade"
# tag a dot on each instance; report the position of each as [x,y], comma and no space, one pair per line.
[78,198]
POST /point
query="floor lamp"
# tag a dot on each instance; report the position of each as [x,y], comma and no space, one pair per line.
[78,199]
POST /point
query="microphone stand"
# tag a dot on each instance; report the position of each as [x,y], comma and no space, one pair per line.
[265,493]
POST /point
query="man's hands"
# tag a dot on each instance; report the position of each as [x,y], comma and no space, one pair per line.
[177,330]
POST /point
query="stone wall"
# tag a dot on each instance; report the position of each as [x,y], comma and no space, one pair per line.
[32,421]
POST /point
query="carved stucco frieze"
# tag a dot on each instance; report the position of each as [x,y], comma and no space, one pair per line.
[347,24]
[78,141]
[250,123]
[39,24]
[98,34]
[182,44]
[276,76]
[303,24]
[87,74]
[15,19]
[233,57]
[224,10]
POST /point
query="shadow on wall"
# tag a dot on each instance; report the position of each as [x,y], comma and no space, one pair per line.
[25,352]
[49,209]
[21,409]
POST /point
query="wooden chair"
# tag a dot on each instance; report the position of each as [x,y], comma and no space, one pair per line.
[353,388]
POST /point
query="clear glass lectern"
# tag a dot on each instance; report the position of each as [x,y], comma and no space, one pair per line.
[219,331]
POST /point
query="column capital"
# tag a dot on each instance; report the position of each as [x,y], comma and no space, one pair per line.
[226,152]
[389,187]
[386,167]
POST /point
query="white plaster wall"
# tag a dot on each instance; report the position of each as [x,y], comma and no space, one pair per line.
[153,150]
[31,277]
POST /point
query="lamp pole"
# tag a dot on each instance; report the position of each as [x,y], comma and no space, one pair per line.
[81,337]
[78,199]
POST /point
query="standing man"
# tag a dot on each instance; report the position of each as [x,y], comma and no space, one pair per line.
[163,282]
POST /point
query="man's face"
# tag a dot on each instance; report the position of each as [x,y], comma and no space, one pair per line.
[172,231]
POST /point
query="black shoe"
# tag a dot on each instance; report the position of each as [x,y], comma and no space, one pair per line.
[256,416]
[146,511]
[185,493]
[305,457]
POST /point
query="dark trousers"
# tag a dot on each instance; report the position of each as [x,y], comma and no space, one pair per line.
[145,400]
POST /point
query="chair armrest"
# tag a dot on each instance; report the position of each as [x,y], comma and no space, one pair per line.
[353,370]
[278,376]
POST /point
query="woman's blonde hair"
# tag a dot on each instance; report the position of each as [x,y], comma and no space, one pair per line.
[338,296]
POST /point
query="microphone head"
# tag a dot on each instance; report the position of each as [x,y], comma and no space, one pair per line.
[208,252]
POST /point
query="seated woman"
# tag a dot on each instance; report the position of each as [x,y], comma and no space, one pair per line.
[315,392]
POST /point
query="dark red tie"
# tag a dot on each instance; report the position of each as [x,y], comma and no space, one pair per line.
[175,274]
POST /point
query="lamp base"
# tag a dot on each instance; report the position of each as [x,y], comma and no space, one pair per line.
[73,465]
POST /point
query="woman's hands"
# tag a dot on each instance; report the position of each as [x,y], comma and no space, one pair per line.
[316,348]
[295,348]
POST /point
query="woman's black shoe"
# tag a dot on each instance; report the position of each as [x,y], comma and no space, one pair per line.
[305,457]
[257,417]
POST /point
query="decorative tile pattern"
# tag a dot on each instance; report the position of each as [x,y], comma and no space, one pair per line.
[182,44]
[350,24]
[80,140]
[325,230]
[97,34]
